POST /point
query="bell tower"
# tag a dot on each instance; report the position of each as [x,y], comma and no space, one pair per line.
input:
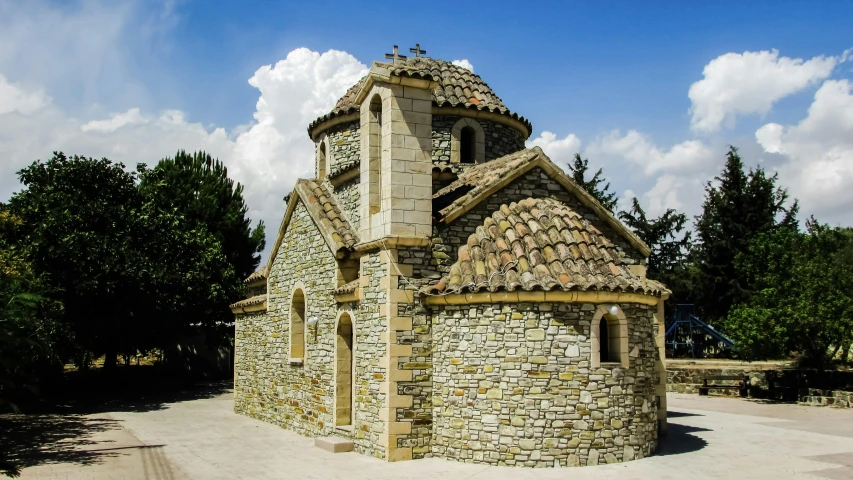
[396,153]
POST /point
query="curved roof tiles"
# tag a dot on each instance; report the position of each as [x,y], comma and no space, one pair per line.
[457,87]
[540,244]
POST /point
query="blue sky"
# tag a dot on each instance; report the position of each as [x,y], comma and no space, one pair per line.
[135,80]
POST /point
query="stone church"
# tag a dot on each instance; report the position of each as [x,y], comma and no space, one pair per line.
[439,290]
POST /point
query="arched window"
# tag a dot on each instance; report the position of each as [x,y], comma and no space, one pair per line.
[344,371]
[466,145]
[609,337]
[467,142]
[297,327]
[375,155]
[321,160]
[604,335]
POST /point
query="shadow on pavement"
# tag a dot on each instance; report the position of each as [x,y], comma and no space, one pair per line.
[671,414]
[62,432]
[148,400]
[680,439]
[29,440]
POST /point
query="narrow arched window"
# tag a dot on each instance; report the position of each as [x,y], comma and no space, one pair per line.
[467,145]
[609,330]
[604,336]
[375,155]
[297,327]
[321,160]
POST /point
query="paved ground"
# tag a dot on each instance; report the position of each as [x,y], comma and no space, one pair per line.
[203,439]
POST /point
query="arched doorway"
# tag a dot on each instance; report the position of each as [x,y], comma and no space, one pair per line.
[343,371]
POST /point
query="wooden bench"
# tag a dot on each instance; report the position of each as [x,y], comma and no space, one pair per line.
[741,385]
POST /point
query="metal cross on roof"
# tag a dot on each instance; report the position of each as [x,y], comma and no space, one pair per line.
[417,50]
[395,56]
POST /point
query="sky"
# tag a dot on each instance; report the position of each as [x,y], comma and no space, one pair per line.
[652,92]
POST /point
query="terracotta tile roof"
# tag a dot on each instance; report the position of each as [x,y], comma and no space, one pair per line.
[474,180]
[347,288]
[485,179]
[324,209]
[256,300]
[457,87]
[539,244]
[261,274]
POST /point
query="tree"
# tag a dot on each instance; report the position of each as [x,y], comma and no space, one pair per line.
[28,331]
[799,297]
[79,221]
[669,242]
[579,168]
[134,268]
[736,209]
[198,188]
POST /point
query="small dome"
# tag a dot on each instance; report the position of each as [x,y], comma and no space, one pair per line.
[457,87]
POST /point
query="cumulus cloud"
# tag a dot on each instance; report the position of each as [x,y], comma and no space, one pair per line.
[559,150]
[751,82]
[638,149]
[464,63]
[266,156]
[818,153]
[15,99]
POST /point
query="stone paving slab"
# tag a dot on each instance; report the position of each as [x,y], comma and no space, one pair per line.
[709,438]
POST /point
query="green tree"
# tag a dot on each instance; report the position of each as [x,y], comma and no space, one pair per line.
[799,297]
[579,168]
[736,209]
[198,188]
[79,220]
[669,241]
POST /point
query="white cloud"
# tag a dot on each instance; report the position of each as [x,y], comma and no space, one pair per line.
[266,157]
[115,122]
[464,63]
[740,84]
[638,149]
[559,150]
[14,99]
[818,153]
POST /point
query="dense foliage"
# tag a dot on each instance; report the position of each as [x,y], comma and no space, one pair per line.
[28,328]
[137,259]
[799,295]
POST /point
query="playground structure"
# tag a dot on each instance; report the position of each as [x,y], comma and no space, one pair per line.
[687,332]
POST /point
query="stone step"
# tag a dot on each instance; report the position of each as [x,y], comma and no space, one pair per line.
[334,444]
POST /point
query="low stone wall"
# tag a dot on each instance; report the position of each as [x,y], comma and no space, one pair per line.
[826,398]
[776,381]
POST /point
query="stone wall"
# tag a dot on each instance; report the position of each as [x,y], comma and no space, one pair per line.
[512,385]
[447,238]
[267,386]
[370,327]
[347,195]
[500,139]
[344,146]
[765,381]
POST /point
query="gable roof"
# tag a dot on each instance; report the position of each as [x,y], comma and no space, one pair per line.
[540,243]
[324,210]
[483,180]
